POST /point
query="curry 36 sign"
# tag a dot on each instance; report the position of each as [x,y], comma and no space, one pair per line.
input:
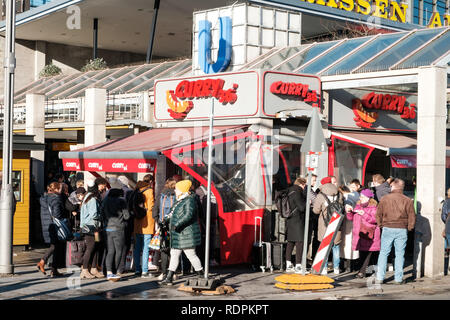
[234,94]
[387,102]
[284,92]
[375,110]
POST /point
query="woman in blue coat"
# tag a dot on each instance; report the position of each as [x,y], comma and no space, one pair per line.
[51,207]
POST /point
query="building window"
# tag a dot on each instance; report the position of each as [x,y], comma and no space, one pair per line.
[17,185]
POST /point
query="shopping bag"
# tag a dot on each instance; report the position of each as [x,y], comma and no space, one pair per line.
[155,243]
[129,263]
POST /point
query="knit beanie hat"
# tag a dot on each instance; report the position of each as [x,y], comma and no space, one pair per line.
[183,186]
[368,193]
[325,180]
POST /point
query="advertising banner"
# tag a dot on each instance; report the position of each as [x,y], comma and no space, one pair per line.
[110,165]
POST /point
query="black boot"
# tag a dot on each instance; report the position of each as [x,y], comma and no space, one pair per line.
[168,280]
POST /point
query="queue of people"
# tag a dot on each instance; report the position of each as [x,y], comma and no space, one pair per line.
[109,224]
[374,221]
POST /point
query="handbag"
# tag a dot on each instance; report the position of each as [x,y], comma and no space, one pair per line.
[63,231]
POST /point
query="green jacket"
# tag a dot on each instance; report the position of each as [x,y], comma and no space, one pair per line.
[184,227]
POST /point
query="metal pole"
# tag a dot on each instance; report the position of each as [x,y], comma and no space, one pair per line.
[6,198]
[208,206]
[305,237]
[152,31]
[95,38]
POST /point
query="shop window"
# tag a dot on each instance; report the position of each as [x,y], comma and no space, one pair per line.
[287,168]
[237,173]
[17,185]
[350,161]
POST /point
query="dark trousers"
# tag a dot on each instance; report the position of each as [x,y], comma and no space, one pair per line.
[128,235]
[165,259]
[90,257]
[298,251]
[365,257]
[313,236]
[53,250]
[115,244]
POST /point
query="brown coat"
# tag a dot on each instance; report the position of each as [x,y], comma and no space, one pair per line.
[320,207]
[396,210]
[146,225]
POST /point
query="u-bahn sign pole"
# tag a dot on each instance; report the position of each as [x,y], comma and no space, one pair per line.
[6,198]
[313,143]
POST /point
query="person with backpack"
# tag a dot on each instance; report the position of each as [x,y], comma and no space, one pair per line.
[91,224]
[142,201]
[163,204]
[366,233]
[295,225]
[51,207]
[329,196]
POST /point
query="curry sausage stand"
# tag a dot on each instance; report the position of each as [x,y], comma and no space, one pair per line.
[253,149]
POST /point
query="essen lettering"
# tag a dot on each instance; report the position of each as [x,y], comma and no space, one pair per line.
[386,9]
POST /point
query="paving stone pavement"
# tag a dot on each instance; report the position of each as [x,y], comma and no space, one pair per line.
[29,284]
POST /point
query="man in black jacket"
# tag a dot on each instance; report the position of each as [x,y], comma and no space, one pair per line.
[295,225]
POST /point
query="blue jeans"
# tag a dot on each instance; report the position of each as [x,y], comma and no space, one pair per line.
[336,256]
[142,243]
[398,238]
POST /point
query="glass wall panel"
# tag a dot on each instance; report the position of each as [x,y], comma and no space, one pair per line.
[364,54]
[400,50]
[349,161]
[429,54]
[304,57]
[333,55]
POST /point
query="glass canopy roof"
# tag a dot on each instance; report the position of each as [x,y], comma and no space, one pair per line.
[382,52]
[130,79]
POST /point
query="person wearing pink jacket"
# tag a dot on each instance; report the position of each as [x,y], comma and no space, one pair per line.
[366,233]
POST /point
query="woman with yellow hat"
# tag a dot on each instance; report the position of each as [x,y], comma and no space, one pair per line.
[184,230]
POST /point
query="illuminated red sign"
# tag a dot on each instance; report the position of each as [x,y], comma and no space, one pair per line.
[295,90]
[379,101]
[110,165]
[195,90]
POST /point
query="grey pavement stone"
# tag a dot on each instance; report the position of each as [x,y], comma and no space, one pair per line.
[29,284]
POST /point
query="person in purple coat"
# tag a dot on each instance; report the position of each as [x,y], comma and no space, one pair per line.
[366,233]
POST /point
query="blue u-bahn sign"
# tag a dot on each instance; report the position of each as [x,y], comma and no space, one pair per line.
[204,46]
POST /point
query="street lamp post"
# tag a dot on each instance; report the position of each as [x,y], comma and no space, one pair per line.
[6,198]
[208,206]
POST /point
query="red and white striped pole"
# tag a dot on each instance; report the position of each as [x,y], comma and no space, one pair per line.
[321,258]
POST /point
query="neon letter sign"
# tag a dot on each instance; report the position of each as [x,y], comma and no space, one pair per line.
[204,46]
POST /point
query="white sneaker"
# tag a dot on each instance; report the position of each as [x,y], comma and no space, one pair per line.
[161,276]
[324,271]
[299,269]
[336,271]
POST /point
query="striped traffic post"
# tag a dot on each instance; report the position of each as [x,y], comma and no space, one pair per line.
[321,258]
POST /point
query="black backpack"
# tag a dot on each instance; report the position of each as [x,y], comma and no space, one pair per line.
[333,206]
[136,204]
[282,203]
